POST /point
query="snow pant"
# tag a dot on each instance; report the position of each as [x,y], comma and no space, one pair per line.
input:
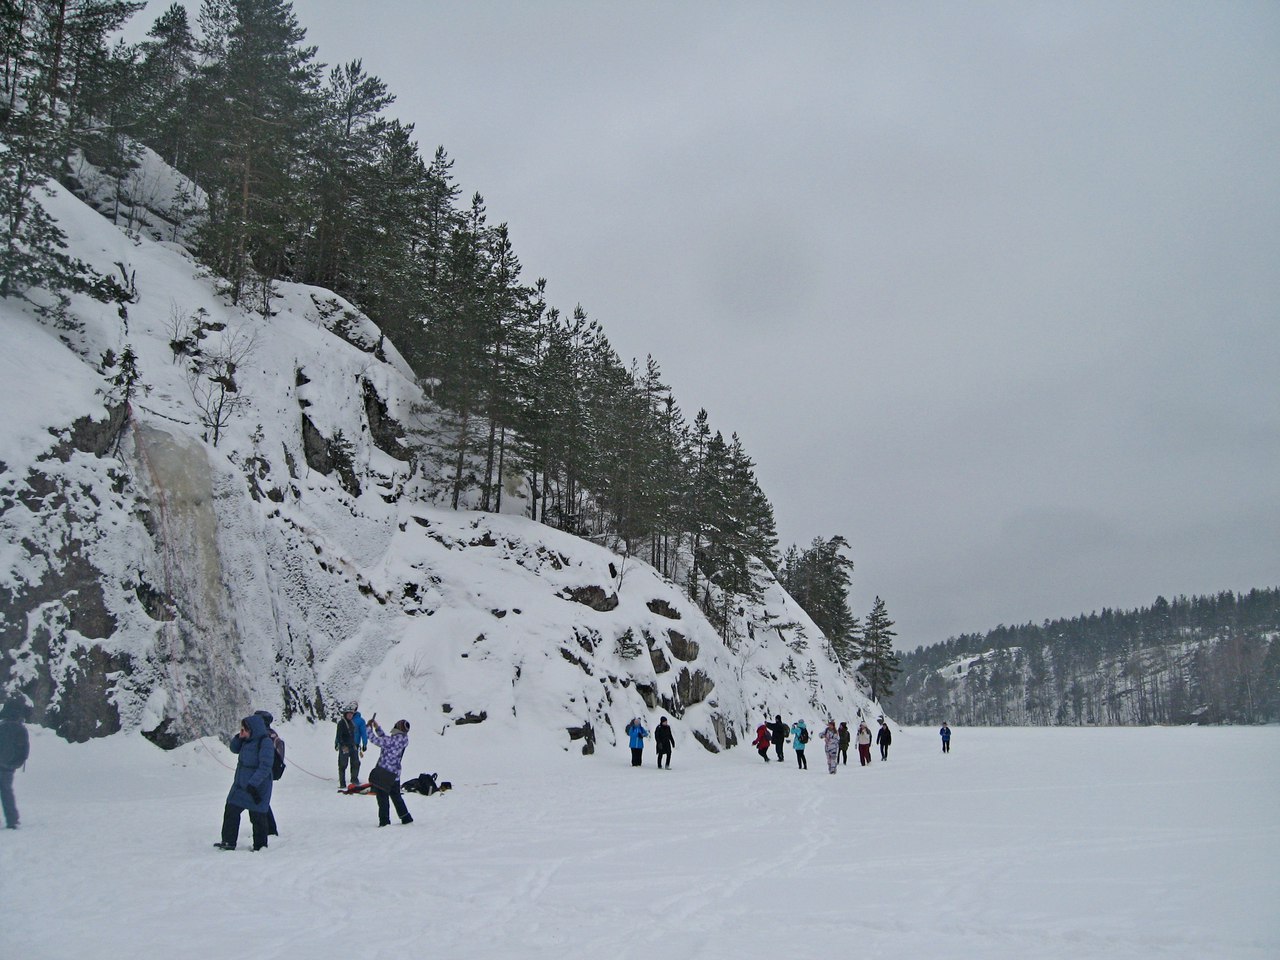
[664,753]
[764,753]
[6,798]
[884,751]
[385,799]
[777,746]
[231,826]
[946,746]
[352,757]
[637,756]
[801,762]
[844,753]
[864,754]
[833,760]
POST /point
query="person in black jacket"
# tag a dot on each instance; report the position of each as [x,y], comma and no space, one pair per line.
[884,738]
[665,740]
[346,742]
[15,747]
[780,731]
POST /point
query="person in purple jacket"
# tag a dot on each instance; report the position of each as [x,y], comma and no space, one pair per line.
[385,777]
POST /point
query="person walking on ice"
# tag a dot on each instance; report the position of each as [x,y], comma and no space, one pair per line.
[800,739]
[864,743]
[778,734]
[844,743]
[636,731]
[665,741]
[945,733]
[831,744]
[762,741]
[884,738]
[15,747]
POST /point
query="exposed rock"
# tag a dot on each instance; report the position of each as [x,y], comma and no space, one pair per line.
[594,597]
[657,656]
[682,648]
[470,717]
[386,433]
[663,609]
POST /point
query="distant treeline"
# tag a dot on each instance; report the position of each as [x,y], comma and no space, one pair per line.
[1210,659]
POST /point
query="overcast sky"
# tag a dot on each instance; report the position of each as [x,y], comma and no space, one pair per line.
[990,289]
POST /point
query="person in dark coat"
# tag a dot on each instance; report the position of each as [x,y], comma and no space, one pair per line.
[665,741]
[945,733]
[845,738]
[779,732]
[268,719]
[884,738]
[346,740]
[15,747]
[251,787]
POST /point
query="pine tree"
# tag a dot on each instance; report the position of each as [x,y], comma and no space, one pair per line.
[880,664]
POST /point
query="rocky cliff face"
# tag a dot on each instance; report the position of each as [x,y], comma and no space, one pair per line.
[154,581]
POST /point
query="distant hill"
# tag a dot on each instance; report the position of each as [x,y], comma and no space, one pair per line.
[1210,659]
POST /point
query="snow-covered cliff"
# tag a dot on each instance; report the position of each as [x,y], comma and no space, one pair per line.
[153,579]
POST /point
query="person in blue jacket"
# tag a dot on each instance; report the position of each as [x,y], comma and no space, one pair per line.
[799,740]
[362,728]
[251,787]
[637,732]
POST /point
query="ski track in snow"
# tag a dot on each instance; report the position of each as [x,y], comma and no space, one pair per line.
[1020,843]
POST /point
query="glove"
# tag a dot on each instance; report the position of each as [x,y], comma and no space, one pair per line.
[253,792]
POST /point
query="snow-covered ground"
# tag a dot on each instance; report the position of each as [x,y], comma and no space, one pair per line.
[1022,843]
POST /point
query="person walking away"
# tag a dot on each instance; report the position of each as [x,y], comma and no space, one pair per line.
[762,741]
[346,742]
[778,733]
[251,786]
[636,731]
[15,747]
[945,733]
[831,744]
[799,740]
[665,742]
[884,738]
[385,776]
[277,766]
[864,743]
[844,742]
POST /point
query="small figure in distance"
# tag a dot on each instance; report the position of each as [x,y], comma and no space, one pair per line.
[762,741]
[665,741]
[844,742]
[945,733]
[778,732]
[636,731]
[347,742]
[799,738]
[385,776]
[884,738]
[864,743]
[15,747]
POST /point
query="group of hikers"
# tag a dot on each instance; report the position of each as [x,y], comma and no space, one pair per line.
[835,741]
[260,762]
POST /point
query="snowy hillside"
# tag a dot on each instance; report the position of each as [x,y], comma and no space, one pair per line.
[259,535]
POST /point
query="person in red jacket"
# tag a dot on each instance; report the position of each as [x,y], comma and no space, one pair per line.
[762,741]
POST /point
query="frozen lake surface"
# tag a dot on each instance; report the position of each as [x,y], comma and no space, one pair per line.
[1021,843]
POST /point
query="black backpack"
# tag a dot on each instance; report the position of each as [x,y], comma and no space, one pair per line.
[15,745]
[804,735]
[277,762]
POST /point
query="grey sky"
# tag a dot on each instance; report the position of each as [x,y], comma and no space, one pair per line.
[991,289]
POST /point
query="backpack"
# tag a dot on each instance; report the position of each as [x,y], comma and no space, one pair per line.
[804,735]
[277,762]
[15,745]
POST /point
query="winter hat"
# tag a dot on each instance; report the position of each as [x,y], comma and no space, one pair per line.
[402,726]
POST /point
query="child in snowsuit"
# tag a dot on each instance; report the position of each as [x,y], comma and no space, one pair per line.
[844,743]
[385,776]
[864,744]
[831,744]
[800,737]
[251,787]
[665,742]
